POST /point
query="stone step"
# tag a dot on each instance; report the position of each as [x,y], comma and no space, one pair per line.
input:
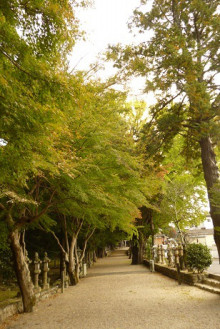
[211,282]
[208,288]
[214,276]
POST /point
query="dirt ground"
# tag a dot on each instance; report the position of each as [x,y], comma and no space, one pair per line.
[117,295]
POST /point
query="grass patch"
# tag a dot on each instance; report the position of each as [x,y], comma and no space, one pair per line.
[6,294]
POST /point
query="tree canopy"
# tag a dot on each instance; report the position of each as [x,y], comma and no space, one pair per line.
[180,63]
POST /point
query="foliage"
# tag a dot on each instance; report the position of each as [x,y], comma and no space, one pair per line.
[68,150]
[198,257]
[68,163]
[6,267]
[148,251]
[183,198]
[179,61]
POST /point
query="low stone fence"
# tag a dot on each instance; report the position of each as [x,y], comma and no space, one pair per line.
[43,290]
[171,261]
[184,276]
[42,287]
[15,306]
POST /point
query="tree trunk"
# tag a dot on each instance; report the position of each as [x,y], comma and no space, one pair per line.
[141,248]
[134,251]
[94,257]
[71,267]
[22,272]
[152,231]
[134,255]
[211,175]
[101,252]
[76,273]
[77,266]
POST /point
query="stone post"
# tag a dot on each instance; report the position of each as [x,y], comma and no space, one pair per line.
[46,269]
[152,268]
[37,272]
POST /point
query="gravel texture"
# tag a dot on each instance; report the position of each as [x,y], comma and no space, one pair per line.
[116,295]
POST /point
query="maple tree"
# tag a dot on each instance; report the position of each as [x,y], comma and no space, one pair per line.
[66,158]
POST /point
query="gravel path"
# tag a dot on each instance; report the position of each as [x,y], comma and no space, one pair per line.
[116,295]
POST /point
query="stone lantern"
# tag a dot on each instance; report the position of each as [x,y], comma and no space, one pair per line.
[159,254]
[37,272]
[162,254]
[170,255]
[46,269]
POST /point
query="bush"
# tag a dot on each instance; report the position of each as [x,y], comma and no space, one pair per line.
[198,257]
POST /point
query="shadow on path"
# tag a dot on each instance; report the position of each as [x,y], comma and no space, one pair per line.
[116,273]
[116,295]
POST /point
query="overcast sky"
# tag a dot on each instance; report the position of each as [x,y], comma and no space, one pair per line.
[106,23]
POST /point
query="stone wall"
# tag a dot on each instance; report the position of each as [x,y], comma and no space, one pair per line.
[17,307]
[185,277]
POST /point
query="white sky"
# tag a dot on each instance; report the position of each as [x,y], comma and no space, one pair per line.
[106,23]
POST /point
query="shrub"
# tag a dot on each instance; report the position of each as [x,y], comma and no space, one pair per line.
[198,257]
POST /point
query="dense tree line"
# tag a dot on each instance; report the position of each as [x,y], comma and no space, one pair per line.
[180,61]
[73,156]
[66,156]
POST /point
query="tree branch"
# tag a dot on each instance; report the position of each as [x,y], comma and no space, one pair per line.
[85,243]
[58,241]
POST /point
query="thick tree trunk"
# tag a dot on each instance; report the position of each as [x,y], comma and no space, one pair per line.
[101,252]
[211,175]
[134,251]
[134,255]
[22,272]
[141,251]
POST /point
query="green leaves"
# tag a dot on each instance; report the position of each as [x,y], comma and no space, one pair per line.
[198,257]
